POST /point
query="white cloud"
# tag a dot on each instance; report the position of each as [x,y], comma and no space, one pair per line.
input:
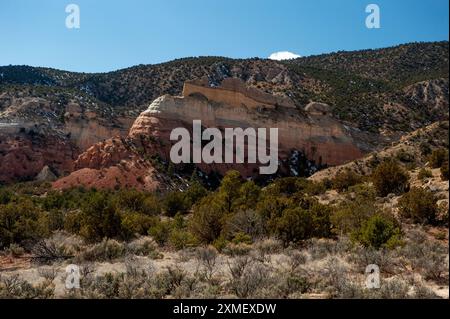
[283,55]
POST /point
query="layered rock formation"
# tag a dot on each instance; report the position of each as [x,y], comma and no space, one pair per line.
[320,137]
[49,117]
[313,132]
[43,131]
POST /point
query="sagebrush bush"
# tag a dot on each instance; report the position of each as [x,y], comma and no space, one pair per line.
[420,205]
[48,251]
[17,288]
[144,246]
[293,283]
[247,277]
[427,257]
[135,285]
[207,258]
[15,250]
[106,250]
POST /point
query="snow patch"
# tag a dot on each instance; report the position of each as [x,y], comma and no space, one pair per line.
[283,55]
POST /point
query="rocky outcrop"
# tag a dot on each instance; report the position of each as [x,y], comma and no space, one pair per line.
[432,93]
[233,92]
[408,148]
[46,175]
[24,155]
[313,132]
[320,137]
[43,131]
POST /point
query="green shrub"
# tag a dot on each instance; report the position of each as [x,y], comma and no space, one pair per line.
[137,201]
[438,157]
[419,205]
[5,195]
[424,174]
[136,224]
[249,194]
[270,208]
[21,221]
[379,231]
[175,202]
[72,222]
[344,179]
[322,226]
[181,238]
[294,225]
[389,177]
[246,222]
[100,218]
[160,231]
[242,238]
[220,243]
[317,188]
[286,185]
[229,189]
[350,214]
[208,219]
[195,192]
[55,220]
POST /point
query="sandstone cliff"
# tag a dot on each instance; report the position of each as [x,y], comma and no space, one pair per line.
[314,133]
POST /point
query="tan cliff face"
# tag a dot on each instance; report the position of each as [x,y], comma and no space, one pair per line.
[312,131]
[315,133]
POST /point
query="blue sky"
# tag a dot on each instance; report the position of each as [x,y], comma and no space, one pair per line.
[116,33]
